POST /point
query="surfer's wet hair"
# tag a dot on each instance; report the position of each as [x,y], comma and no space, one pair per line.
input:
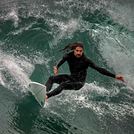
[72,46]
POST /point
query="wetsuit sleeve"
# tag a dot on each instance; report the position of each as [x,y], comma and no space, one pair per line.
[61,61]
[100,70]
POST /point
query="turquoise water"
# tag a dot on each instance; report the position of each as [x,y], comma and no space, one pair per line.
[31,35]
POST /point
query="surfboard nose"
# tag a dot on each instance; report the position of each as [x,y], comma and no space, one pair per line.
[38,91]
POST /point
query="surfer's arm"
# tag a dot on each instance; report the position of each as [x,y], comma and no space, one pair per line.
[101,70]
[62,61]
[105,72]
[59,64]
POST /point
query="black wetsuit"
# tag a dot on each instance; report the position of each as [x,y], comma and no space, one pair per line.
[74,81]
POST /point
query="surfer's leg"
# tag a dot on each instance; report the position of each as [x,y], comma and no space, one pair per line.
[56,79]
[49,83]
[65,86]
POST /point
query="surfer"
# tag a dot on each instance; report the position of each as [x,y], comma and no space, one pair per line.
[78,65]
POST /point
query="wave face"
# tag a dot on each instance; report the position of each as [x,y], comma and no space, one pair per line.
[32,33]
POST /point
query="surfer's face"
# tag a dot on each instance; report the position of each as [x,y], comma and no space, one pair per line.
[78,51]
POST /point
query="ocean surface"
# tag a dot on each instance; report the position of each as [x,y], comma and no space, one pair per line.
[31,34]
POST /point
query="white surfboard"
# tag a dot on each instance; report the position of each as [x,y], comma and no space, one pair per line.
[38,91]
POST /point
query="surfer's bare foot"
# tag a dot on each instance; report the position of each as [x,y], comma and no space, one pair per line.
[46,98]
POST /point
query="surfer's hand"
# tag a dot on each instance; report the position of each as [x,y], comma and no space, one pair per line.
[55,70]
[120,77]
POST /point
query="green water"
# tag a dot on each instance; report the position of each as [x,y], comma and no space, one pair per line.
[31,35]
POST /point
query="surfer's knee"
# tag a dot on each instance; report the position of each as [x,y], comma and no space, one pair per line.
[79,86]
